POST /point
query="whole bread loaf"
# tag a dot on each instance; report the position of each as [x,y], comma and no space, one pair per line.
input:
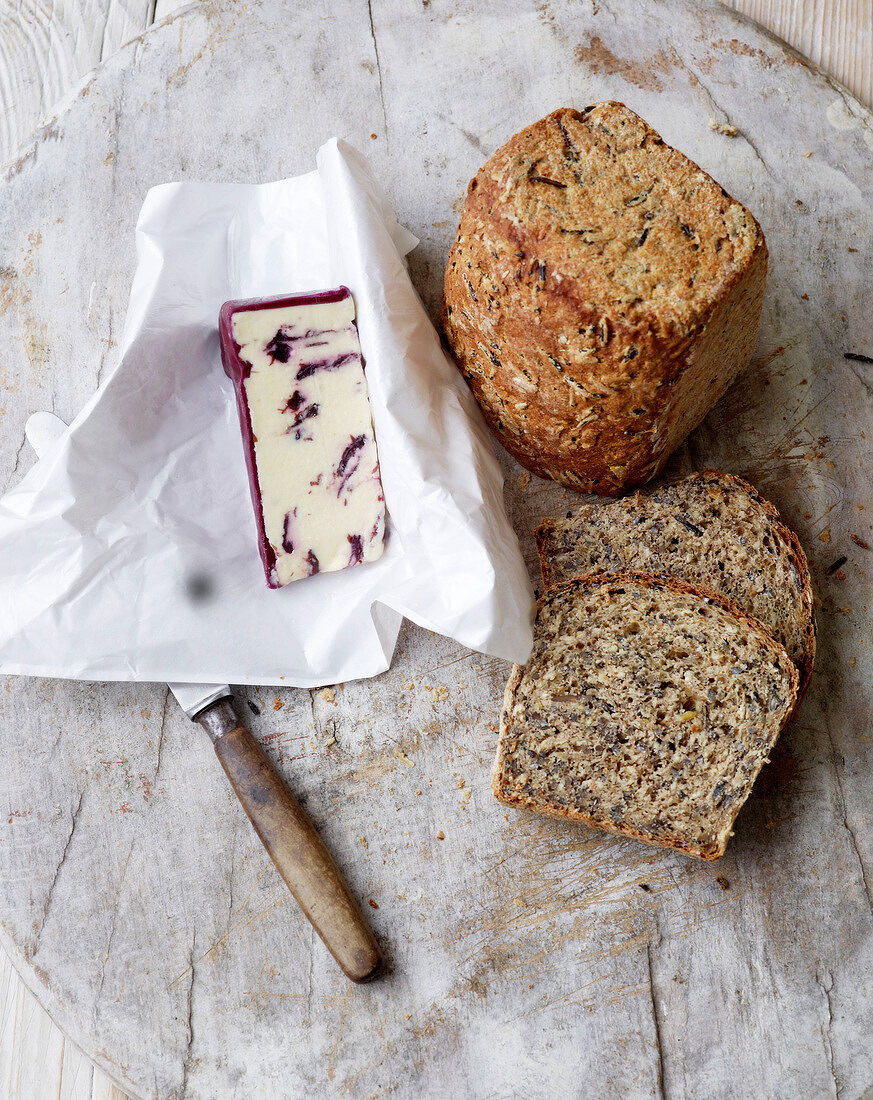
[647,708]
[711,529]
[600,296]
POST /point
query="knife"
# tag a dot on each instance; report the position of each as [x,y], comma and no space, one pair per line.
[284,829]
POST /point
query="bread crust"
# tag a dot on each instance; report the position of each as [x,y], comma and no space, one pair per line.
[588,370]
[806,664]
[498,788]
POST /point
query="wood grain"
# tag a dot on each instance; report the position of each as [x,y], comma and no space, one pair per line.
[835,34]
[45,48]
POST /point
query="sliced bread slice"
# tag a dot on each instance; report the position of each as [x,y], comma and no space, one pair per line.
[647,708]
[711,529]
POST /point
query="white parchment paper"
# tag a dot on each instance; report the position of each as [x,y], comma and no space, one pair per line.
[129,551]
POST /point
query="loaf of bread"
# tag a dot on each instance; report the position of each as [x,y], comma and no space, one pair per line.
[711,529]
[602,293]
[647,708]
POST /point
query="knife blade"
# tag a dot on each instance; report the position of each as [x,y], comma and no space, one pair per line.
[288,835]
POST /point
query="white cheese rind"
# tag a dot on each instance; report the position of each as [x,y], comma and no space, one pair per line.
[315,452]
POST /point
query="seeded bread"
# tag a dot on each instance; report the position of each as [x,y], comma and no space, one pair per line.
[647,708]
[602,293]
[711,529]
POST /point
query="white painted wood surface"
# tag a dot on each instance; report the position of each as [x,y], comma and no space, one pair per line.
[60,1069]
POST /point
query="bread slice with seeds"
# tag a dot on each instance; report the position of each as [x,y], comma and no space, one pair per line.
[647,708]
[601,295]
[711,529]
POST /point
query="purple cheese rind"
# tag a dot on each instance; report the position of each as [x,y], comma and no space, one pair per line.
[234,367]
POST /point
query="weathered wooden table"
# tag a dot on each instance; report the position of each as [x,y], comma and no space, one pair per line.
[633,1004]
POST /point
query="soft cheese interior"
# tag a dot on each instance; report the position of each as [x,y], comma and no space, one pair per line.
[317,467]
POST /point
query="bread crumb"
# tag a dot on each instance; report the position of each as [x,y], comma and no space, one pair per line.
[723,882]
[825,536]
[329,696]
[363,840]
[409,686]
[441,835]
[853,661]
[401,755]
[329,741]
[373,904]
[418,791]
[808,153]
[519,901]
[440,694]
[278,704]
[723,128]
[524,481]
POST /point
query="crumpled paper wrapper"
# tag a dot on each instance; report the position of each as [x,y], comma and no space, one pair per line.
[129,551]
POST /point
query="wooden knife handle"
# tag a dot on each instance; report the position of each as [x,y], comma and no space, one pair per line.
[299,854]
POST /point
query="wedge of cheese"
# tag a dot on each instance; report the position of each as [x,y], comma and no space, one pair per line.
[307,429]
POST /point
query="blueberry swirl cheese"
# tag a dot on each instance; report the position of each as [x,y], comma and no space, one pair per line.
[307,428]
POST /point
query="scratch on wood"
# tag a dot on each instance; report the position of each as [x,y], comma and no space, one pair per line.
[845,822]
[112,927]
[475,142]
[161,735]
[51,890]
[230,884]
[189,1017]
[311,954]
[826,1036]
[655,1019]
[378,67]
[454,661]
[49,132]
[212,952]
[17,462]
